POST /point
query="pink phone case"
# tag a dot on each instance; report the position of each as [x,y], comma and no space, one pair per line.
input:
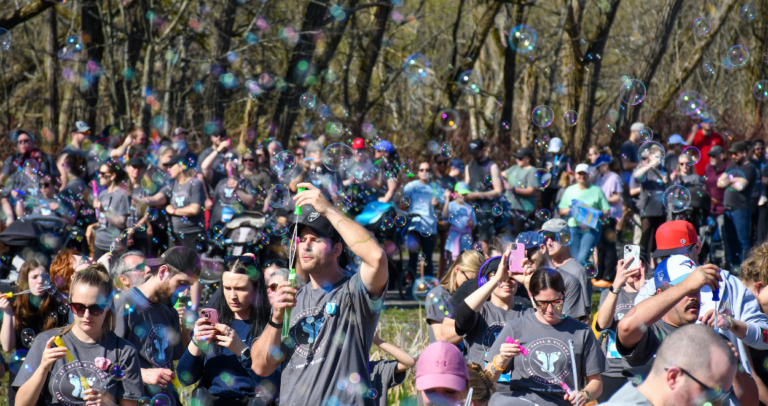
[515,258]
[211,315]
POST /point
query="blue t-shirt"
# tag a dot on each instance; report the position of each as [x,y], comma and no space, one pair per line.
[421,203]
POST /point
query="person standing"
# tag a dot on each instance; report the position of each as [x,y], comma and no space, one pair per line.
[610,183]
[113,205]
[629,152]
[484,180]
[740,178]
[584,237]
[759,211]
[648,183]
[675,146]
[712,172]
[447,182]
[425,195]
[461,220]
[138,225]
[25,148]
[556,163]
[703,138]
[214,172]
[565,262]
[521,190]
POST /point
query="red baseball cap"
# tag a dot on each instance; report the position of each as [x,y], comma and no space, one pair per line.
[441,365]
[675,237]
[358,143]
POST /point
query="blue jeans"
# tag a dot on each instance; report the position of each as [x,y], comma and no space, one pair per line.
[582,243]
[738,224]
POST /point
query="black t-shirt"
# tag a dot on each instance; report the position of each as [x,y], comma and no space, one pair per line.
[740,200]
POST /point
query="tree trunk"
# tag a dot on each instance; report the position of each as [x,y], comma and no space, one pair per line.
[94,49]
[510,67]
[368,63]
[12,18]
[145,110]
[525,108]
[218,95]
[51,109]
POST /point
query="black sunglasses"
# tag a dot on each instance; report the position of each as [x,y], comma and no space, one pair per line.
[272,287]
[79,309]
[244,259]
[45,185]
[248,160]
[104,173]
[278,262]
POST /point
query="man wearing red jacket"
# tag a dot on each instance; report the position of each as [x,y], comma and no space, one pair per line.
[703,138]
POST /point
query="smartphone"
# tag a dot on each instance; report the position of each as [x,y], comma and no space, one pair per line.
[211,315]
[516,258]
[632,252]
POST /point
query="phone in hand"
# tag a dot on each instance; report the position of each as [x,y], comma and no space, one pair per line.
[210,315]
[516,258]
[632,252]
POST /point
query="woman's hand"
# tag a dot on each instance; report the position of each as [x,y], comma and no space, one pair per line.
[97,204]
[229,339]
[502,273]
[508,351]
[204,331]
[5,305]
[623,274]
[232,183]
[51,354]
[92,397]
[576,399]
[170,210]
[724,321]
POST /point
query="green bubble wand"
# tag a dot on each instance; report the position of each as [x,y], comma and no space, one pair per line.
[292,274]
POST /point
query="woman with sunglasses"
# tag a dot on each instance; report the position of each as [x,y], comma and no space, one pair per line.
[49,203]
[256,172]
[438,306]
[686,176]
[232,195]
[648,183]
[113,205]
[84,371]
[37,311]
[584,237]
[536,349]
[480,320]
[139,229]
[243,312]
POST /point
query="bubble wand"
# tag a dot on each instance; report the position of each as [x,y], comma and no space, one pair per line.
[46,287]
[292,274]
[95,195]
[70,359]
[573,365]
[468,400]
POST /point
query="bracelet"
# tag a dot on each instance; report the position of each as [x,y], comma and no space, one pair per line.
[496,366]
[730,321]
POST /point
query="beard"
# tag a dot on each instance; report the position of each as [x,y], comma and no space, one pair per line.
[165,294]
[318,266]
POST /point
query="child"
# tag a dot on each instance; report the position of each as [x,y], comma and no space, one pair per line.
[462,219]
[386,374]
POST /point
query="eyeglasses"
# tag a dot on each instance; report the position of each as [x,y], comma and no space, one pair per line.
[278,262]
[95,309]
[272,287]
[712,395]
[248,160]
[425,170]
[105,174]
[543,304]
[244,259]
[45,185]
[24,141]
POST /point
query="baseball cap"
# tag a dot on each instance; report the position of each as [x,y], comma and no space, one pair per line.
[384,146]
[674,237]
[530,239]
[554,225]
[305,135]
[441,365]
[317,222]
[358,143]
[80,127]
[715,150]
[176,159]
[461,188]
[476,146]
[637,126]
[136,161]
[581,168]
[602,159]
[739,146]
[180,130]
[555,144]
[182,258]
[458,164]
[524,152]
[676,139]
[673,270]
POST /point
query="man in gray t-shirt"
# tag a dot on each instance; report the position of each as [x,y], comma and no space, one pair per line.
[561,256]
[331,325]
[115,207]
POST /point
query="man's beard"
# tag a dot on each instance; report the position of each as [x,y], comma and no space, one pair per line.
[165,294]
[319,265]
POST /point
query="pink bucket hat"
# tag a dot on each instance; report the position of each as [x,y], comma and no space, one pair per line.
[441,365]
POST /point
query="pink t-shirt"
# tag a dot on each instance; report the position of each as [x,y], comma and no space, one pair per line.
[610,184]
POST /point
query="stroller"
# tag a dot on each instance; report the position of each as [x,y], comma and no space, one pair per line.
[36,235]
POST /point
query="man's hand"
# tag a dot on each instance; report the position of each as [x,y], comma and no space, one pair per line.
[156,376]
[704,275]
[223,146]
[285,299]
[208,203]
[313,197]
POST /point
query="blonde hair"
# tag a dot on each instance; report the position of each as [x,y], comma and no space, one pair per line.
[755,267]
[98,276]
[470,261]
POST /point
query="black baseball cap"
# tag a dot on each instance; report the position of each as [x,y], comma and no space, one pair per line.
[739,146]
[715,150]
[490,265]
[177,159]
[318,223]
[524,152]
[136,161]
[476,146]
[182,258]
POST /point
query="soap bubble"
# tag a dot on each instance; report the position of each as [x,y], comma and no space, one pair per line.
[448,119]
[411,338]
[738,55]
[632,92]
[470,82]
[422,286]
[372,394]
[405,201]
[590,269]
[117,371]
[417,66]
[651,154]
[565,236]
[145,401]
[562,311]
[692,154]
[543,215]
[161,400]
[283,163]
[543,116]
[676,198]
[307,101]
[63,309]
[497,210]
[400,221]
[5,39]
[748,12]
[152,214]
[27,337]
[522,39]
[737,180]
[760,90]
[571,117]
[338,157]
[542,177]
[690,103]
[278,195]
[446,151]
[701,26]
[387,223]
[644,135]
[406,167]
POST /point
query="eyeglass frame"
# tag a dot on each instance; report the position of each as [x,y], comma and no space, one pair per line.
[709,391]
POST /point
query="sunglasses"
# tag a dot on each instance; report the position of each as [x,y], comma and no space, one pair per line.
[248,160]
[272,287]
[25,141]
[441,162]
[95,309]
[543,304]
[278,262]
[104,174]
[244,259]
[425,170]
[45,185]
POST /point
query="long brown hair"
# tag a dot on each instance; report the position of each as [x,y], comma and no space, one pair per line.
[24,317]
[98,276]
[62,269]
[470,261]
[481,383]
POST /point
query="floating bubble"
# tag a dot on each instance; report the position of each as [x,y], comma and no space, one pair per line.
[161,400]
[411,338]
[278,195]
[676,198]
[565,236]
[422,286]
[748,12]
[693,154]
[478,247]
[701,26]
[405,201]
[737,180]
[27,337]
[372,394]
[651,154]
[433,147]
[448,119]
[145,401]
[543,215]
[644,135]
[152,214]
[5,39]
[117,371]
[590,269]
[571,117]
[387,222]
[63,309]
[338,157]
[690,103]
[738,55]
[562,311]
[470,82]
[543,116]
[417,66]
[542,177]
[400,221]
[632,92]
[708,68]
[497,210]
[760,90]
[307,101]
[406,167]
[549,236]
[283,163]
[466,240]
[446,151]
[522,39]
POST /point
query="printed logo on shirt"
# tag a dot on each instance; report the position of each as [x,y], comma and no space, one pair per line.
[306,329]
[71,380]
[158,349]
[547,357]
[491,334]
[180,199]
[621,310]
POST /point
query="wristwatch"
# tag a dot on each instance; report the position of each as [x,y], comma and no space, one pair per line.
[245,355]
[617,291]
[587,396]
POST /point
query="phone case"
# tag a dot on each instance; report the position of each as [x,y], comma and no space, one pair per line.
[515,258]
[632,251]
[211,315]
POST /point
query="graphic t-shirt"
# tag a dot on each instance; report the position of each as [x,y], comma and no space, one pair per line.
[548,356]
[330,336]
[486,327]
[522,178]
[115,203]
[575,269]
[384,375]
[624,303]
[421,203]
[182,196]
[67,380]
[153,328]
[735,200]
[460,234]
[438,307]
[226,201]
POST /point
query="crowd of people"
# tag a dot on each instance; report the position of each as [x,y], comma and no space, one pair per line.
[669,233]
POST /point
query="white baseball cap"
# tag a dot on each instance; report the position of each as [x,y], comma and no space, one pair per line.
[582,168]
[637,126]
[676,139]
[555,144]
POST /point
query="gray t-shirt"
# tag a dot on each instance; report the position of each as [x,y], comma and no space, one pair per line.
[488,323]
[650,200]
[548,350]
[64,383]
[438,307]
[624,303]
[182,196]
[63,208]
[115,203]
[226,201]
[646,349]
[628,395]
[575,302]
[384,375]
[329,341]
[137,211]
[575,269]
[153,328]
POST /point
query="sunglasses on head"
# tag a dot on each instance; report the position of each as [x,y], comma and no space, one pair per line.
[94,309]
[244,259]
